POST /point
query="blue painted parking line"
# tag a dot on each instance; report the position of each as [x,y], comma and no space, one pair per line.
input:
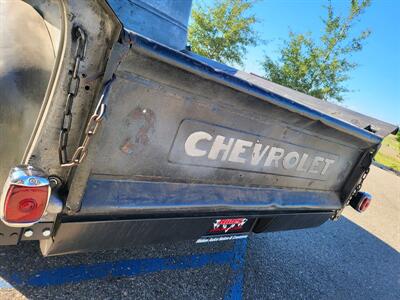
[235,288]
[122,268]
[137,267]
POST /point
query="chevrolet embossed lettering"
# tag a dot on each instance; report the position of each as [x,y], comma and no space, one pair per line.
[204,144]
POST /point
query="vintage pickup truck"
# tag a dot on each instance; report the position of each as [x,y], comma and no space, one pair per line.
[113,133]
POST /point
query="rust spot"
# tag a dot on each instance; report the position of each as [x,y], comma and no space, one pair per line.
[141,122]
[127,147]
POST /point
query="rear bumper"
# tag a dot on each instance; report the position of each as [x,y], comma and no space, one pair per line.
[122,213]
[81,236]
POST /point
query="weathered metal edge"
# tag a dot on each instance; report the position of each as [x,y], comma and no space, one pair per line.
[189,63]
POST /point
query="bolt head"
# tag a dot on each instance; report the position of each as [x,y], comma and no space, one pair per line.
[46,232]
[33,181]
[28,233]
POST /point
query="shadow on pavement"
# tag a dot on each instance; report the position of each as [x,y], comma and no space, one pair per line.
[337,260]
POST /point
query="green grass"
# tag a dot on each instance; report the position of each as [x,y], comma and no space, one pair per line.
[389,153]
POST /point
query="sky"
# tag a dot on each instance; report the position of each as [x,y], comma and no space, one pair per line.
[375,83]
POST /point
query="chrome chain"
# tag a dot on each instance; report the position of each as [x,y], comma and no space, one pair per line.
[73,87]
[91,128]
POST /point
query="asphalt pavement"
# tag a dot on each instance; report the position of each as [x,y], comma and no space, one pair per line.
[353,258]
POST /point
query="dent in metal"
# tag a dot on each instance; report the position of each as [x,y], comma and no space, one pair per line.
[128,197]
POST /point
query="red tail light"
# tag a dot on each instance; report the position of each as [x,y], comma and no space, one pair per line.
[365,202]
[25,204]
[361,201]
[25,197]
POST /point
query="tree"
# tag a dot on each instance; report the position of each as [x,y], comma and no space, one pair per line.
[320,67]
[223,30]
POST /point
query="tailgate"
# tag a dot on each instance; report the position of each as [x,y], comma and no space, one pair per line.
[177,138]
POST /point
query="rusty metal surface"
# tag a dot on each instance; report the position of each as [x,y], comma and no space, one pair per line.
[158,90]
[151,100]
[102,28]
[220,76]
[81,175]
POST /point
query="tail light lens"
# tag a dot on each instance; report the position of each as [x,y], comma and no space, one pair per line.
[364,204]
[25,204]
[25,197]
[361,201]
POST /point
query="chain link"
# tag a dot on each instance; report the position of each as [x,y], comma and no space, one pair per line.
[95,119]
[91,129]
[73,87]
[354,192]
[359,185]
